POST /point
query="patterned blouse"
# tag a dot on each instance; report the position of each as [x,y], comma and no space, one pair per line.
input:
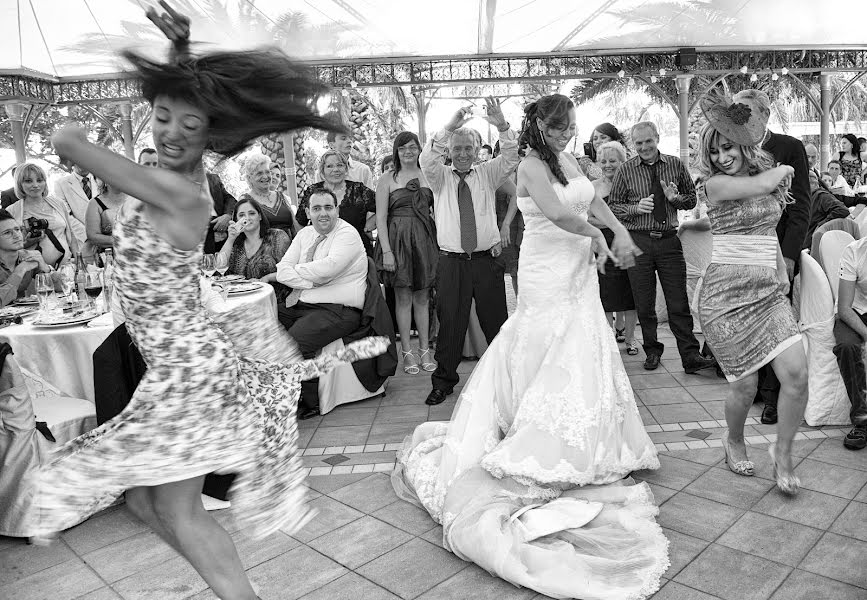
[264,261]
[358,200]
[850,170]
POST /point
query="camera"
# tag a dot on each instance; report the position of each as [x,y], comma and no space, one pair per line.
[35,226]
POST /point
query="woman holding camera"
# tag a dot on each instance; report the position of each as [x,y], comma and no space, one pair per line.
[44,218]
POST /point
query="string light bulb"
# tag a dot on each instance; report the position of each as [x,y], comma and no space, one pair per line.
[754,77]
[774,77]
[621,73]
[784,71]
[653,79]
[744,69]
[662,72]
[353,84]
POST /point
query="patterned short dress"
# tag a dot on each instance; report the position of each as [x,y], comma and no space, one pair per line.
[745,316]
[214,399]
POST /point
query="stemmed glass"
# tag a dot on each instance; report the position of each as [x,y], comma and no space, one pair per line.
[221,262]
[67,280]
[44,289]
[209,265]
[93,286]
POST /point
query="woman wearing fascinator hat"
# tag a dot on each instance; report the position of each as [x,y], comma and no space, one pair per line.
[742,305]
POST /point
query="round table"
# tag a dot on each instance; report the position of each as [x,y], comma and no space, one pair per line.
[64,356]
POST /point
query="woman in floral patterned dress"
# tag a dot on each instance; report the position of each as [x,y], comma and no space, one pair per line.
[202,406]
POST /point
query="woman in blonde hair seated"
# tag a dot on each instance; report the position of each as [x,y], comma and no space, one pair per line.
[43,217]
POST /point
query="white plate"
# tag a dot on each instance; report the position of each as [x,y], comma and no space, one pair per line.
[228,278]
[248,287]
[76,321]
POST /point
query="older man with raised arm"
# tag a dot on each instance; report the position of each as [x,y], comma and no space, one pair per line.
[468,236]
[646,194]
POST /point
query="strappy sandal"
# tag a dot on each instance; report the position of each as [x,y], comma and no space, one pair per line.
[428,365]
[409,368]
[632,347]
[742,467]
[620,335]
[788,484]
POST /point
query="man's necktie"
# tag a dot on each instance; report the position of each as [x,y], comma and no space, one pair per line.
[315,245]
[660,212]
[85,185]
[469,237]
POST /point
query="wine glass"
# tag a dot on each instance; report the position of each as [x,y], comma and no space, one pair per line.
[209,265]
[67,280]
[44,289]
[93,286]
[221,263]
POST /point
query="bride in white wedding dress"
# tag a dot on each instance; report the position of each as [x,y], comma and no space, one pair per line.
[527,477]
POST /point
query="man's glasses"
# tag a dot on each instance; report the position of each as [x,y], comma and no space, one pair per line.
[10,233]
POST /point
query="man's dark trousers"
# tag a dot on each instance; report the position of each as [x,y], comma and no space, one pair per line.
[662,255]
[314,326]
[460,279]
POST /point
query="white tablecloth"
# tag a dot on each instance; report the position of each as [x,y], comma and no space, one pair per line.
[64,356]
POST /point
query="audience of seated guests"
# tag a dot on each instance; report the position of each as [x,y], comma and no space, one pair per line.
[253,248]
[355,170]
[614,287]
[850,333]
[101,214]
[56,243]
[839,186]
[326,267]
[275,205]
[76,190]
[606,132]
[8,197]
[17,265]
[825,207]
[850,160]
[355,200]
[148,158]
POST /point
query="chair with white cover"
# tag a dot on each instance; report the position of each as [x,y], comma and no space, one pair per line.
[340,385]
[828,402]
[66,417]
[847,225]
[22,449]
[697,250]
[831,249]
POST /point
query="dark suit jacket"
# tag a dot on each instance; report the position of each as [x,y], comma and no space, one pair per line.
[793,225]
[826,207]
[224,204]
[8,197]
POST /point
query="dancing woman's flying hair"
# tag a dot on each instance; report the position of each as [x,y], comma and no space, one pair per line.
[554,111]
[245,94]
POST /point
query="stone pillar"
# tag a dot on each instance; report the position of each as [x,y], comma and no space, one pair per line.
[683,82]
[16,111]
[126,129]
[421,109]
[825,120]
[289,173]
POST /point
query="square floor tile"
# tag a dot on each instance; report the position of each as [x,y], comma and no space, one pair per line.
[104,593]
[434,536]
[102,529]
[360,542]
[733,575]
[706,456]
[675,591]
[347,416]
[416,413]
[775,539]
[679,413]
[853,521]
[715,408]
[174,579]
[661,493]
[386,433]
[293,574]
[412,569]
[807,508]
[655,380]
[682,549]
[330,515]
[350,587]
[801,585]
[368,495]
[129,556]
[254,551]
[474,583]
[339,436]
[657,396]
[838,557]
[330,483]
[67,580]
[22,560]
[729,488]
[832,451]
[673,473]
[698,517]
[702,378]
[710,393]
[407,517]
[837,481]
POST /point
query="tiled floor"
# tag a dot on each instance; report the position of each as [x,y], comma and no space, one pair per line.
[731,537]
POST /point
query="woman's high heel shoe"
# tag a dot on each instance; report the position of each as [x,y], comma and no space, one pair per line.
[742,467]
[788,484]
[426,361]
[410,364]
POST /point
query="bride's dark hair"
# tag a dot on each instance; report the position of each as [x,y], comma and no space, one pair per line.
[245,94]
[554,111]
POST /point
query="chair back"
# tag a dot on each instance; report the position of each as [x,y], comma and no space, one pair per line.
[831,249]
[847,225]
[817,300]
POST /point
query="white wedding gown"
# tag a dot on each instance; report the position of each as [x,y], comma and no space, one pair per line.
[527,477]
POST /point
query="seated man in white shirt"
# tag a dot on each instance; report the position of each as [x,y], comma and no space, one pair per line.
[850,333]
[326,267]
[839,185]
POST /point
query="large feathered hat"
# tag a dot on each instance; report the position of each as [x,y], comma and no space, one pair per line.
[742,121]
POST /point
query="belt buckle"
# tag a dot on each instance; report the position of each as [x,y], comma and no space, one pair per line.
[468,255]
[656,235]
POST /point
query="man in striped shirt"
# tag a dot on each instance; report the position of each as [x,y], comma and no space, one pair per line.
[646,194]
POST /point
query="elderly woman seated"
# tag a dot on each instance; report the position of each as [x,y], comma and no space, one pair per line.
[17,265]
[253,248]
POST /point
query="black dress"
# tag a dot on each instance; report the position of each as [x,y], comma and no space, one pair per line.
[357,202]
[614,288]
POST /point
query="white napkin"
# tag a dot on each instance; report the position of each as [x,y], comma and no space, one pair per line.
[103,320]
